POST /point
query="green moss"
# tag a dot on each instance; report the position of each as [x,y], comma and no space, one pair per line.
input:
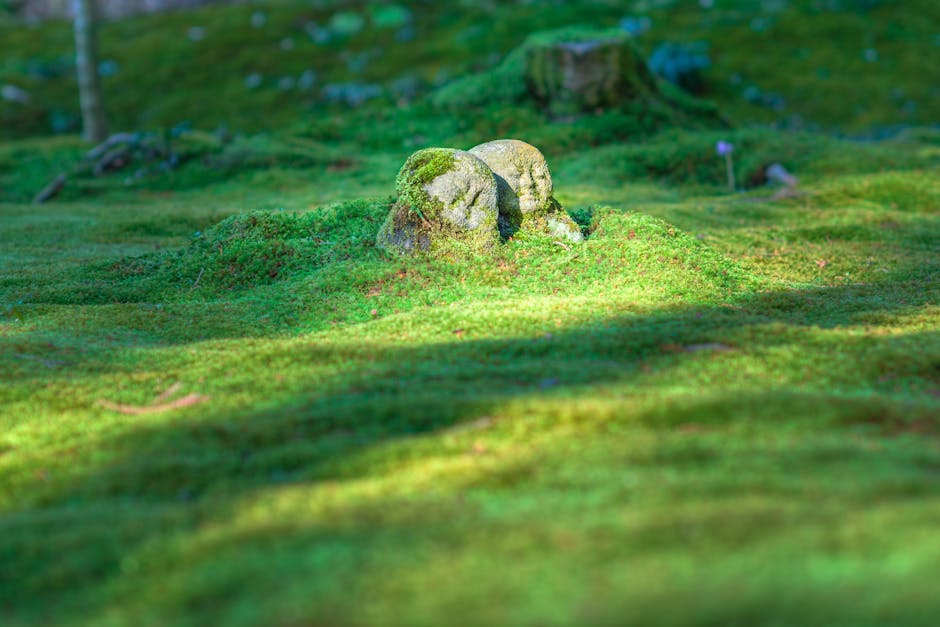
[27,167]
[821,72]
[158,161]
[635,102]
[500,86]
[548,56]
[243,251]
[688,158]
[367,412]
[722,406]
[418,171]
[415,224]
[404,231]
[505,84]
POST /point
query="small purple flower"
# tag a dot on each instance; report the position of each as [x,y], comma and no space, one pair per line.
[724,149]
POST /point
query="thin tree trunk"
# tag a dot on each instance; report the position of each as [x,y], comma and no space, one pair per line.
[94,125]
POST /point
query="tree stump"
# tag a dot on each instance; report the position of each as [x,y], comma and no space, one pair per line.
[570,73]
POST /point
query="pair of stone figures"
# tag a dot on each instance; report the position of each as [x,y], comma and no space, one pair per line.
[471,198]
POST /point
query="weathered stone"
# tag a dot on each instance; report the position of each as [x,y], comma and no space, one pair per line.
[561,225]
[525,189]
[447,199]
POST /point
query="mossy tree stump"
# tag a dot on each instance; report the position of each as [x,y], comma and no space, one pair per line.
[570,73]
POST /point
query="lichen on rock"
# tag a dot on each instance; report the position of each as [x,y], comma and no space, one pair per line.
[447,199]
[524,182]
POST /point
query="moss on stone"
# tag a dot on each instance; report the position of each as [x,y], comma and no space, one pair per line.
[403,231]
[446,206]
[526,200]
[419,170]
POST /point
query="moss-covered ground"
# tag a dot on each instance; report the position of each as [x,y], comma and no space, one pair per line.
[221,404]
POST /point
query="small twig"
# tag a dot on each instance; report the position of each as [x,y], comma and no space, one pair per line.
[48,363]
[115,159]
[563,245]
[420,213]
[786,192]
[729,168]
[135,410]
[118,138]
[778,174]
[51,190]
[170,391]
[196,283]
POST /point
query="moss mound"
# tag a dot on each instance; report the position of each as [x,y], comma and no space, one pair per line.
[258,248]
[659,257]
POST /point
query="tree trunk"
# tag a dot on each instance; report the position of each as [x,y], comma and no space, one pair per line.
[94,125]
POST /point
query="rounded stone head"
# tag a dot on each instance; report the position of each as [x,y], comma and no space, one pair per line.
[445,197]
[525,184]
[449,185]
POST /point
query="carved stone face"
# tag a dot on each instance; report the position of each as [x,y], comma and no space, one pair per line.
[468,192]
[444,196]
[525,183]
